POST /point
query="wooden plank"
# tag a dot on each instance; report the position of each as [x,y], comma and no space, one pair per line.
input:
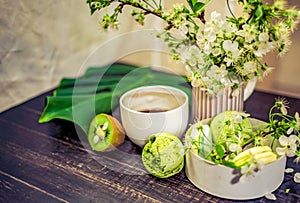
[16,190]
[60,169]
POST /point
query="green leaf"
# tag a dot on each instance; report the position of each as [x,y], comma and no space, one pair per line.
[77,109]
[259,12]
[220,151]
[98,91]
[191,3]
[84,90]
[65,82]
[195,5]
[114,69]
[229,164]
[198,6]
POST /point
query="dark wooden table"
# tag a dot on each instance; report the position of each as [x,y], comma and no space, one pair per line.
[48,163]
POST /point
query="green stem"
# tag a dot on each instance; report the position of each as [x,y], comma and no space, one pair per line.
[156,13]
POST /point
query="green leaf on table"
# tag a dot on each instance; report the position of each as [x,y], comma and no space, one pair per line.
[98,91]
[115,69]
[77,109]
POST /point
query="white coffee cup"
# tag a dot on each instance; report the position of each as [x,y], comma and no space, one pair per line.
[153,109]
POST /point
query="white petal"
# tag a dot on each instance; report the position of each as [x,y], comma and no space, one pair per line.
[283,110]
[270,196]
[297,115]
[293,139]
[289,170]
[297,177]
[227,45]
[291,153]
[263,37]
[281,150]
[283,140]
[289,131]
[215,16]
[234,46]
[233,147]
[196,83]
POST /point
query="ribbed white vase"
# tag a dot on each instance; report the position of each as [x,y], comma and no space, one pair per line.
[206,105]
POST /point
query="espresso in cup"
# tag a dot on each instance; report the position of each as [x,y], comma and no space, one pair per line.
[153,109]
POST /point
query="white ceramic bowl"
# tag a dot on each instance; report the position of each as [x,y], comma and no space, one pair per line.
[172,116]
[220,181]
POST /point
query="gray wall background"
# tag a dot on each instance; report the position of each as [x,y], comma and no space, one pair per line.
[43,41]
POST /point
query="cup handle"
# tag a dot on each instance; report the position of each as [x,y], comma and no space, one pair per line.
[249,88]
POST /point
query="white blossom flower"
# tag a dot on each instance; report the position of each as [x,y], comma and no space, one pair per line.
[235,92]
[207,48]
[215,16]
[228,61]
[196,82]
[250,67]
[282,105]
[289,145]
[216,51]
[192,55]
[263,37]
[297,177]
[216,72]
[234,147]
[263,48]
[248,32]
[231,47]
[210,34]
